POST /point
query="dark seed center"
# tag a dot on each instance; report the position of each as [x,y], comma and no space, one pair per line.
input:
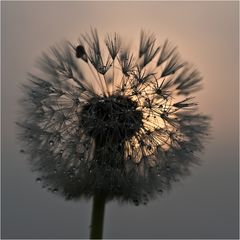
[111,119]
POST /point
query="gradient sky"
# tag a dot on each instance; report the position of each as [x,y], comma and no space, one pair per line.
[204,205]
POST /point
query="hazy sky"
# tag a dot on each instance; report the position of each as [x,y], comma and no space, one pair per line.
[204,205]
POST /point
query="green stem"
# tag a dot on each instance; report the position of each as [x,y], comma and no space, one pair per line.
[97,216]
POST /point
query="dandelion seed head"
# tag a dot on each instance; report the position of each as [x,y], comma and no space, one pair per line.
[101,118]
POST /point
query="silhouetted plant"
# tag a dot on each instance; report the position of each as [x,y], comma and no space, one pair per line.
[105,121]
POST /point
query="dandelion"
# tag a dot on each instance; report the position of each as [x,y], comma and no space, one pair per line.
[105,122]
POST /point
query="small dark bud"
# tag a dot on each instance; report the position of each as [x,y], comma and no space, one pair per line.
[81,53]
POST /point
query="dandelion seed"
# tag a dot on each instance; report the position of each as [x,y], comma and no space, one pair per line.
[166,52]
[172,66]
[147,48]
[113,44]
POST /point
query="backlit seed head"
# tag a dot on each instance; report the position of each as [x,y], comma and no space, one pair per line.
[108,119]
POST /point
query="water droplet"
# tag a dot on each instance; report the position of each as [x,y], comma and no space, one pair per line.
[77,101]
[51,143]
[149,147]
[136,202]
[38,179]
[70,175]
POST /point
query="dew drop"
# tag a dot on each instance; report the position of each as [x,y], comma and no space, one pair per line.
[51,143]
[55,190]
[70,175]
[38,179]
[136,202]
[149,147]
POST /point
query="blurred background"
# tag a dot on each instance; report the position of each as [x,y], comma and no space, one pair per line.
[205,204]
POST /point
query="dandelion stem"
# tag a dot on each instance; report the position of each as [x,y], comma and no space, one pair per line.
[113,84]
[97,216]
